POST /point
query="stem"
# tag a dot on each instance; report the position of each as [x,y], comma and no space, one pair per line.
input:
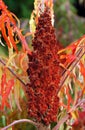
[77,105]
[37,125]
[79,55]
[61,122]
[20,121]
[2,62]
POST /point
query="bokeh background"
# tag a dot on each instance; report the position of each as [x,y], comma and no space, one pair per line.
[21,8]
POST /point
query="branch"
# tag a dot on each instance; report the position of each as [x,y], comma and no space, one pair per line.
[79,55]
[82,101]
[61,122]
[2,62]
[20,121]
[69,64]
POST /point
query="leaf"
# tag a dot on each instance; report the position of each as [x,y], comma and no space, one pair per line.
[4,34]
[10,34]
[8,28]
[69,49]
[82,69]
[6,87]
[74,114]
[69,98]
[17,94]
[23,41]
[3,81]
[23,62]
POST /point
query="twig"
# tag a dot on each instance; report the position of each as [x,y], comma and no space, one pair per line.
[61,122]
[72,65]
[2,62]
[77,105]
[20,121]
[77,55]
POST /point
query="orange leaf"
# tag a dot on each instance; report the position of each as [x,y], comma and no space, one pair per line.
[10,34]
[82,69]
[70,100]
[4,34]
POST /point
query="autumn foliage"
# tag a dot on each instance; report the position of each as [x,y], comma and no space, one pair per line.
[48,79]
[9,29]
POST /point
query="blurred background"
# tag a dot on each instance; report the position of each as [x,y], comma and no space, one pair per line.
[21,8]
[69,17]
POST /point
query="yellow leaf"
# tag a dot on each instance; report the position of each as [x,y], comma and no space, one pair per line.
[17,94]
[75,114]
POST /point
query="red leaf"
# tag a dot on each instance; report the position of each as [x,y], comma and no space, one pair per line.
[70,100]
[6,88]
[82,69]
[3,81]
